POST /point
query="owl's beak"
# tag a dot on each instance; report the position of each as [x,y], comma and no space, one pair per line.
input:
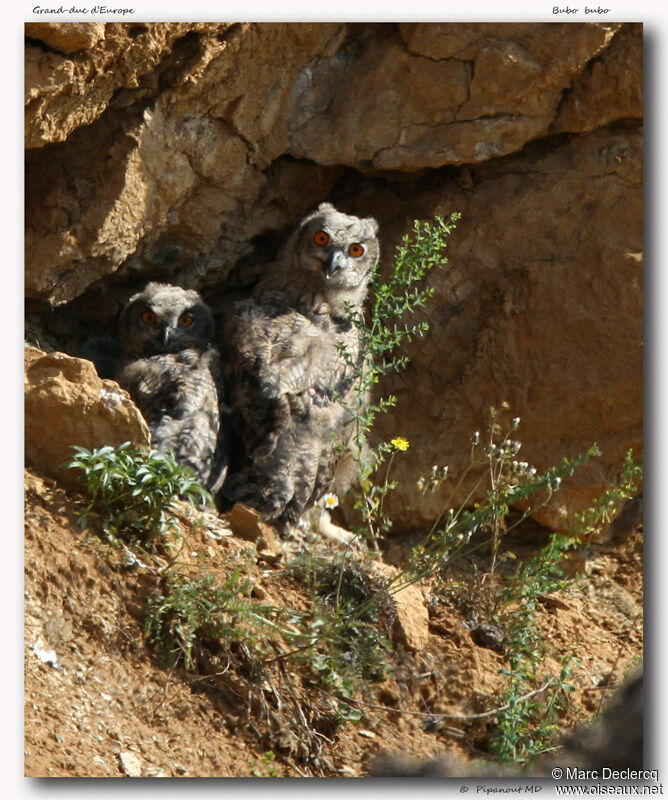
[336,262]
[167,335]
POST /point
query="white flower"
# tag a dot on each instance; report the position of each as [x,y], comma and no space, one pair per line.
[515,422]
[419,484]
[476,437]
[330,500]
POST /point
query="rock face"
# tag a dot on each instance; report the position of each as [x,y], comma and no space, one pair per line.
[540,306]
[187,152]
[65,404]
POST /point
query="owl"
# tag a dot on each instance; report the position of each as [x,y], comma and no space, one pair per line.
[171,369]
[296,355]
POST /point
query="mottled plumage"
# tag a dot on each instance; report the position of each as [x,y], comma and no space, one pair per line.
[171,369]
[291,383]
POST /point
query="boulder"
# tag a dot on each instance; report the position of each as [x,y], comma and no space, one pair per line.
[67,404]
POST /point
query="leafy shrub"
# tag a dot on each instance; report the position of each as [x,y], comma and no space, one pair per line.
[133,492]
[349,621]
[187,611]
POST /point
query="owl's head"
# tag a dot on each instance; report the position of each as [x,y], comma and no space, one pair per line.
[342,249]
[165,319]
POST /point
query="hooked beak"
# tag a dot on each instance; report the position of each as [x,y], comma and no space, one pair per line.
[336,262]
[167,335]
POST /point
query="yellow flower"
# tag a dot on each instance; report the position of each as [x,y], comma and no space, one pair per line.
[399,443]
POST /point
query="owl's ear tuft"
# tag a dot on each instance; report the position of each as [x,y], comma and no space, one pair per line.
[326,208]
[373,223]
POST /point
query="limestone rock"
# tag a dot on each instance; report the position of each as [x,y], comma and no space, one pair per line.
[130,764]
[457,94]
[66,37]
[185,123]
[67,404]
[613,88]
[411,627]
[120,64]
[540,305]
[246,524]
[170,186]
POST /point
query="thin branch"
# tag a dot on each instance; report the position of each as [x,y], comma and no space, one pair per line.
[437,715]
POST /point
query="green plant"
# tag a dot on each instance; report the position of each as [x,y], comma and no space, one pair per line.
[347,624]
[606,507]
[502,482]
[187,611]
[529,715]
[266,767]
[527,725]
[133,492]
[528,721]
[390,326]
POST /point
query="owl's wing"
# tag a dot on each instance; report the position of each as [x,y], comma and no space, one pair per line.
[286,353]
[177,394]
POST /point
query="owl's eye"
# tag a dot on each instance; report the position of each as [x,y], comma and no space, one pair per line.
[186,320]
[321,238]
[356,249]
[149,318]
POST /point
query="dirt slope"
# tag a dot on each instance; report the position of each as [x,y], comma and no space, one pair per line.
[105,707]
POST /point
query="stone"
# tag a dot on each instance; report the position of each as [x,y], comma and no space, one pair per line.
[130,764]
[247,524]
[611,90]
[411,628]
[67,404]
[180,184]
[406,108]
[66,37]
[66,90]
[200,149]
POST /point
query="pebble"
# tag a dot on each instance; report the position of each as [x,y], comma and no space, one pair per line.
[130,764]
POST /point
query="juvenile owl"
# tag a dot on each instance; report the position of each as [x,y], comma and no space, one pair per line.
[170,367]
[292,383]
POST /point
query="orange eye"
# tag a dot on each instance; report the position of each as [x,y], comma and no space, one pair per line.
[321,238]
[356,250]
[149,318]
[185,320]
